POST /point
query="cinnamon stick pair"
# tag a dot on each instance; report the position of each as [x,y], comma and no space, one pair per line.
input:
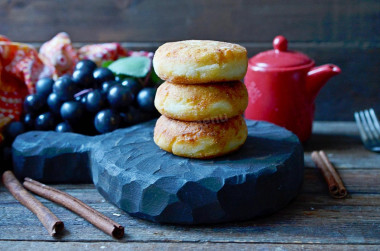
[77,206]
[47,218]
[334,182]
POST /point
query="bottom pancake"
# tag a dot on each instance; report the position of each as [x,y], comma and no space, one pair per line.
[199,139]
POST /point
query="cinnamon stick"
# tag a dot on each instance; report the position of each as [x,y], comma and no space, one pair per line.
[77,206]
[336,187]
[47,218]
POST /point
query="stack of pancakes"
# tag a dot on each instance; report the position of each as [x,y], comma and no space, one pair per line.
[202,100]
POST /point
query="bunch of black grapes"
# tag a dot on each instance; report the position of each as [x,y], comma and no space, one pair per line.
[91,101]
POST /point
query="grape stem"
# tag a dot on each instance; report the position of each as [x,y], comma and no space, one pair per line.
[82,92]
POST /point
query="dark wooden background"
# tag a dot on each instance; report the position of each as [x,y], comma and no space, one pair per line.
[344,32]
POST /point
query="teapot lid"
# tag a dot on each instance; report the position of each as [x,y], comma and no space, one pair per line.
[280,57]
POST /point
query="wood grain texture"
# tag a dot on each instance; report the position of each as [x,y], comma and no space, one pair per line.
[342,145]
[48,246]
[227,20]
[313,220]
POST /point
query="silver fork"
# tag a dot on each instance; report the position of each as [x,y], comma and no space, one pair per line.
[369,129]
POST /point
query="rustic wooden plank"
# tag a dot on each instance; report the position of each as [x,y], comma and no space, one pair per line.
[355,180]
[311,218]
[342,144]
[339,128]
[310,223]
[149,20]
[22,245]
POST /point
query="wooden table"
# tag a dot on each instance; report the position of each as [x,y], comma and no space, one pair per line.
[313,220]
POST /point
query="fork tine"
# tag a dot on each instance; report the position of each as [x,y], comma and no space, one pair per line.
[371,125]
[363,135]
[375,120]
[365,125]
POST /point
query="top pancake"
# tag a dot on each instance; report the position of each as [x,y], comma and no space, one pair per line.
[200,61]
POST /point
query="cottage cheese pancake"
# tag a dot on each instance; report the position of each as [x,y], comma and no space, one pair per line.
[201,102]
[199,139]
[200,61]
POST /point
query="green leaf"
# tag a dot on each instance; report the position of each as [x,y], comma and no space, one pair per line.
[136,67]
[107,63]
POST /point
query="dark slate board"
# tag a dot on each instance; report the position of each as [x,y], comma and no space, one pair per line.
[130,171]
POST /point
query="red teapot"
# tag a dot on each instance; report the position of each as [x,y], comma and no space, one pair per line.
[282,86]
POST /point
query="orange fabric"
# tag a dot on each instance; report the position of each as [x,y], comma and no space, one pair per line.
[59,54]
[20,68]
[4,39]
[102,52]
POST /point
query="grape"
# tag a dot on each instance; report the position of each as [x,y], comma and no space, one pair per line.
[85,64]
[145,99]
[78,98]
[45,122]
[14,129]
[44,87]
[119,78]
[65,88]
[91,100]
[106,121]
[83,99]
[106,86]
[72,111]
[83,78]
[135,116]
[102,75]
[133,85]
[131,117]
[54,103]
[125,119]
[28,121]
[34,104]
[120,97]
[63,127]
[94,101]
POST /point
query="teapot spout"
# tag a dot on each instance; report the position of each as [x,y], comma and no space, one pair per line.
[317,78]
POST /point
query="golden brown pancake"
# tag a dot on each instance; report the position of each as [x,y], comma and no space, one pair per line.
[200,61]
[199,139]
[201,102]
